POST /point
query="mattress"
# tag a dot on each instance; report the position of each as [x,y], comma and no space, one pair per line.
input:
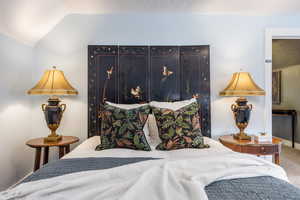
[87,149]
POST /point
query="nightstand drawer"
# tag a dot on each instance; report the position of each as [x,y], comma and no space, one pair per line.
[260,150]
[253,147]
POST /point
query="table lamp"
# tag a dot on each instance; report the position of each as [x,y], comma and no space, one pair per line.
[53,83]
[242,85]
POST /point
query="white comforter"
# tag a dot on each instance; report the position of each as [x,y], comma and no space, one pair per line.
[167,179]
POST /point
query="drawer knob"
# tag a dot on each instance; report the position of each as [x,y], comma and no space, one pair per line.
[263,150]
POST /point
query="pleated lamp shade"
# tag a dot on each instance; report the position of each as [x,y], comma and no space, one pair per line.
[53,82]
[242,84]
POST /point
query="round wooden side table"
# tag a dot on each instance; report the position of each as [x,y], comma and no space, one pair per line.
[38,144]
[253,147]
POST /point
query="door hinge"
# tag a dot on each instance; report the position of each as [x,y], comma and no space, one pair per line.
[268,61]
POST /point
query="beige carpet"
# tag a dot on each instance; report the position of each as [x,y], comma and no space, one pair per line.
[290,161]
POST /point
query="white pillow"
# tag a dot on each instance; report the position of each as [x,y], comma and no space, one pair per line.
[126,106]
[172,105]
[153,129]
[133,106]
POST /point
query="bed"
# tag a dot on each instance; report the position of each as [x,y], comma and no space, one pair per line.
[59,179]
[139,74]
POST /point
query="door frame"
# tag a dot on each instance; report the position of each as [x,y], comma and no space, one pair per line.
[270,34]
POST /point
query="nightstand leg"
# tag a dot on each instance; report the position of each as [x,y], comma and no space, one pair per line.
[61,151]
[277,160]
[37,161]
[46,155]
[67,149]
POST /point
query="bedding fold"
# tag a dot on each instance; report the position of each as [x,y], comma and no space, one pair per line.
[69,166]
[153,179]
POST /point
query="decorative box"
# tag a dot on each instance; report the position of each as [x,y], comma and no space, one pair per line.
[263,137]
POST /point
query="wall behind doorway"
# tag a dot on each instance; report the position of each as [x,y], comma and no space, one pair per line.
[287,60]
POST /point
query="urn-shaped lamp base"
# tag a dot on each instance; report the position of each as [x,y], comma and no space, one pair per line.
[241,111]
[55,138]
[241,136]
[53,112]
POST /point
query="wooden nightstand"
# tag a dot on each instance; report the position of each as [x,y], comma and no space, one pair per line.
[252,147]
[38,144]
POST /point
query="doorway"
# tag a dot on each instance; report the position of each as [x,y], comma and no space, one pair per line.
[283,95]
[285,90]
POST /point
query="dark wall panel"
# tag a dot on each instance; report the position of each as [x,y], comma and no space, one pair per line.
[165,73]
[102,82]
[138,74]
[133,74]
[195,80]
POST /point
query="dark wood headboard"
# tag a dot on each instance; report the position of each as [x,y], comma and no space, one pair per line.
[136,74]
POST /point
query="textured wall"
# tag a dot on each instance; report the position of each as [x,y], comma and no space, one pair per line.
[15,111]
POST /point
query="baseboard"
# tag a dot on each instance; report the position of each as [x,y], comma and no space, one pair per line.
[289,143]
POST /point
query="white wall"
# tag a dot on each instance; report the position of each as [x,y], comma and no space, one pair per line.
[236,42]
[15,111]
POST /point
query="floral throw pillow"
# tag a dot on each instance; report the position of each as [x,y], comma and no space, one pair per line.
[123,128]
[179,129]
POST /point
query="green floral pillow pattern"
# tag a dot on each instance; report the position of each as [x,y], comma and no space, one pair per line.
[122,128]
[179,129]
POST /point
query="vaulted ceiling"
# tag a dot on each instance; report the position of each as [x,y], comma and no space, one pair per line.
[30,20]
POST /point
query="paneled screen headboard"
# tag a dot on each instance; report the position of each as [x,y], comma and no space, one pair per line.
[136,74]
